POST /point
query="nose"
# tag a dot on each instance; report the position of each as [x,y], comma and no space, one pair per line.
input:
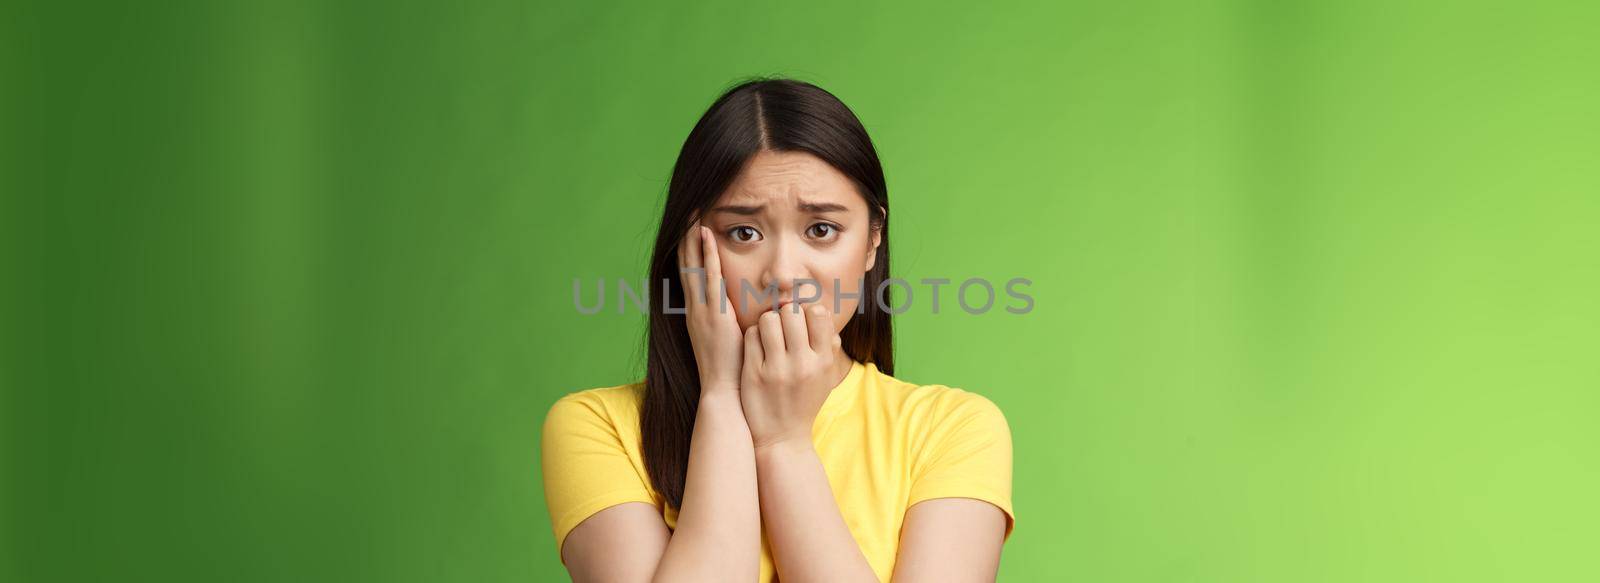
[785,267]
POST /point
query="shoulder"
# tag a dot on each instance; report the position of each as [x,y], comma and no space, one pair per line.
[615,406]
[958,441]
[936,405]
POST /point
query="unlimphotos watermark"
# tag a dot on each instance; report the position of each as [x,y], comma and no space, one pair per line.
[627,295]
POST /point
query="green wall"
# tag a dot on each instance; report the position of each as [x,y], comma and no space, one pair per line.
[287,285]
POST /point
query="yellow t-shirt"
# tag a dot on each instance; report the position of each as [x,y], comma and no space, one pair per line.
[886,444]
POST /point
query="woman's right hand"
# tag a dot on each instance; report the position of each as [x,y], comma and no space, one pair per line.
[713,328]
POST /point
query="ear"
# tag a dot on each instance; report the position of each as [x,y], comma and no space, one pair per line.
[872,252]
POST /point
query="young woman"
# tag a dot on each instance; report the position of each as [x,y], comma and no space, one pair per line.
[768,440]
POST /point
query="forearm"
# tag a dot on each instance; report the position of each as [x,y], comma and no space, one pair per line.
[718,535]
[809,538]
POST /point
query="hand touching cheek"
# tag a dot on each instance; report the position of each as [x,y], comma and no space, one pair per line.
[791,361]
[713,332]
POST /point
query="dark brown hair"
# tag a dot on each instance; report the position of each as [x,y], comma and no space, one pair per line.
[761,114]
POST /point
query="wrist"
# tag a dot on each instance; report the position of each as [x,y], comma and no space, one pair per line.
[708,387]
[784,446]
[721,398]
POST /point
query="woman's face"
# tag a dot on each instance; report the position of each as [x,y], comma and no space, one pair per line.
[787,218]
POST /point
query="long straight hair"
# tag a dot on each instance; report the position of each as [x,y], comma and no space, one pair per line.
[761,114]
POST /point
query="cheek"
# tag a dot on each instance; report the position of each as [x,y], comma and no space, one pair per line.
[850,292]
[746,311]
[845,269]
[744,305]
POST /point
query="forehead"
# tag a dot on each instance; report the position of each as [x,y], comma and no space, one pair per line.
[787,177]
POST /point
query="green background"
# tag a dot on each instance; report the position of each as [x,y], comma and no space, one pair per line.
[287,285]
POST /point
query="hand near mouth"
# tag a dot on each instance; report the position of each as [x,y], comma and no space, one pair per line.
[792,358]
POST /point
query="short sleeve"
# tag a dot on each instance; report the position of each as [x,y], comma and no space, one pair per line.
[969,456]
[585,465]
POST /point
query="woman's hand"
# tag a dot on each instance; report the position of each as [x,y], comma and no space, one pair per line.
[713,328]
[790,363]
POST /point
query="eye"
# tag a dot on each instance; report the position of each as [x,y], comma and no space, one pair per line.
[744,234]
[823,231]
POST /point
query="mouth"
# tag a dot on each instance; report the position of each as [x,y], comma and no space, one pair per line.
[784,304]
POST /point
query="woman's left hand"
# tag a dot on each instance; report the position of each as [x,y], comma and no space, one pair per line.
[790,359]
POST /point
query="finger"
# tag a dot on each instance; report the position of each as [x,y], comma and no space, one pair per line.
[794,327]
[693,281]
[683,277]
[820,325]
[752,349]
[771,334]
[681,259]
[691,247]
[713,264]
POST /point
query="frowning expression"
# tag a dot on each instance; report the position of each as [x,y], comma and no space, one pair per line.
[787,219]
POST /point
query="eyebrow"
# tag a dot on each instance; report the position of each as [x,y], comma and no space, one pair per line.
[810,207]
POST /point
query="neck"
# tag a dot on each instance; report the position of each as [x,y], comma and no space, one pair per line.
[841,366]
